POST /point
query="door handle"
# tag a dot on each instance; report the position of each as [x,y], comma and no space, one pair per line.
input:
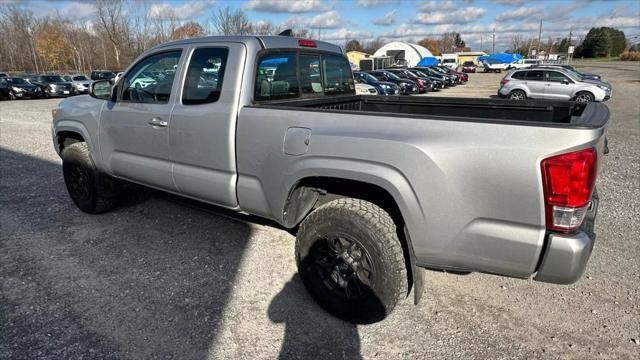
[157,121]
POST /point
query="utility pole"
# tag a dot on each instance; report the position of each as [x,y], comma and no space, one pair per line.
[539,39]
[481,42]
[493,49]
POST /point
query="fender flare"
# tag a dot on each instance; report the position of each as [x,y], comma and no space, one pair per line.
[78,128]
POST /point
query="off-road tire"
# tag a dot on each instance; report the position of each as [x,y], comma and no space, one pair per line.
[376,236]
[92,192]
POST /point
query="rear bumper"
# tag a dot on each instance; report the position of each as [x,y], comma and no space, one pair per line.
[566,255]
[566,258]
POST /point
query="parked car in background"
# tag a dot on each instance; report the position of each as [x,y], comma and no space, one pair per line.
[52,85]
[582,74]
[449,60]
[383,87]
[79,82]
[102,75]
[436,83]
[459,76]
[552,84]
[3,75]
[363,89]
[406,86]
[431,71]
[422,83]
[469,67]
[117,77]
[20,88]
[4,88]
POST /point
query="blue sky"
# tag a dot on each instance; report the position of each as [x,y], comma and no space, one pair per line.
[339,20]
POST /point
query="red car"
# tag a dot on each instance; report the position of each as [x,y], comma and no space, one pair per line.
[469,67]
[462,77]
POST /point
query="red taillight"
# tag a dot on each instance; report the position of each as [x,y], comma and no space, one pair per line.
[503,82]
[568,181]
[306,43]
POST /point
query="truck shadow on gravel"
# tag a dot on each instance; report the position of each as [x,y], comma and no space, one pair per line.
[149,280]
[311,333]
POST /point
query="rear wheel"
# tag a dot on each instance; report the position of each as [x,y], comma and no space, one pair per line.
[351,261]
[91,191]
[517,95]
[584,96]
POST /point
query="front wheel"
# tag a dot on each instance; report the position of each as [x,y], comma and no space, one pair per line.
[517,95]
[584,97]
[91,191]
[351,261]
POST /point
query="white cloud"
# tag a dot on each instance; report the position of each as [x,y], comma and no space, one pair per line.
[510,2]
[461,16]
[187,10]
[370,3]
[327,20]
[388,18]
[346,34]
[437,5]
[520,13]
[289,6]
[77,10]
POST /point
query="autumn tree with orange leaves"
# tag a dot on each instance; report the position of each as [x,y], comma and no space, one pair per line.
[52,47]
[189,30]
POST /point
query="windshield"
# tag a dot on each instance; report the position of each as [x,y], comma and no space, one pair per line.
[51,78]
[468,63]
[391,75]
[439,70]
[448,61]
[18,81]
[574,75]
[80,78]
[419,73]
[368,77]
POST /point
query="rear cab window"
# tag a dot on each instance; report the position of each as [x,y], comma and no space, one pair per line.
[301,74]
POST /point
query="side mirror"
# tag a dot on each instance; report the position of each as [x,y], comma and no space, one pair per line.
[565,81]
[101,89]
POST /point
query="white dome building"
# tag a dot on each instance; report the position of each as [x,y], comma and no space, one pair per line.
[411,53]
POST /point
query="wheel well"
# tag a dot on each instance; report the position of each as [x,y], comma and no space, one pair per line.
[328,189]
[66,138]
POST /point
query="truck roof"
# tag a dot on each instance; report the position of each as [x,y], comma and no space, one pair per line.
[266,42]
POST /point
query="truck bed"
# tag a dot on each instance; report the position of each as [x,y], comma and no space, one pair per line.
[529,112]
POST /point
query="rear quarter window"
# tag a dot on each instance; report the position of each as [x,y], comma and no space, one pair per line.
[519,75]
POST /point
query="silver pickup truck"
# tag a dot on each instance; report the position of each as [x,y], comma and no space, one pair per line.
[375,188]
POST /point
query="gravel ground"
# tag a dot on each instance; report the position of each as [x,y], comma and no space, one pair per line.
[162,278]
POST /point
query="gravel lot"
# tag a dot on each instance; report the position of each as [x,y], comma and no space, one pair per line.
[162,278]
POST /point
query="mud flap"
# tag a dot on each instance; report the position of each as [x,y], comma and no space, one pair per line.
[417,273]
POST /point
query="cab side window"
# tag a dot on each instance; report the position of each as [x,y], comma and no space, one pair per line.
[203,82]
[150,80]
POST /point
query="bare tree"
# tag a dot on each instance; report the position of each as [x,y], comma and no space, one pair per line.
[111,19]
[230,22]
